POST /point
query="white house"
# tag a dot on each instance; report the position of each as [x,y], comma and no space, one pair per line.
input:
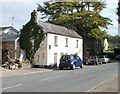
[58,41]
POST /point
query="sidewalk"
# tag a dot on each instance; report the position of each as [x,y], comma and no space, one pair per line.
[110,85]
[26,69]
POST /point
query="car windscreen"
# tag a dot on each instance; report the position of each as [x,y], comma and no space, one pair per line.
[65,57]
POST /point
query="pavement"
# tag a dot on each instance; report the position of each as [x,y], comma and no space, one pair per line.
[110,85]
[26,69]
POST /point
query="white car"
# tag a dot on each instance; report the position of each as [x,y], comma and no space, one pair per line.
[104,59]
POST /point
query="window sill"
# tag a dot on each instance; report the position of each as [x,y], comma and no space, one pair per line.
[55,45]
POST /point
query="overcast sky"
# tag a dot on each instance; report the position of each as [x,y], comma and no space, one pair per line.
[21,10]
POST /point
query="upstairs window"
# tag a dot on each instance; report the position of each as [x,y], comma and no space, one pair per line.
[66,42]
[76,43]
[55,41]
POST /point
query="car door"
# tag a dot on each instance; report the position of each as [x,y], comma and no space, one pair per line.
[77,60]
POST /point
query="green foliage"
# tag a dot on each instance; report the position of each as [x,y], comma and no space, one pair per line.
[83,17]
[114,39]
[97,34]
[31,36]
[117,51]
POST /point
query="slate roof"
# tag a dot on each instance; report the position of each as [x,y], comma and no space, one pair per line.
[55,29]
[9,27]
[8,38]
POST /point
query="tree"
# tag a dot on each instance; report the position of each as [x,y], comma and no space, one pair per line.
[83,17]
[31,36]
[80,16]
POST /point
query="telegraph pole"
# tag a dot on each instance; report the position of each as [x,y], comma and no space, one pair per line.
[12,19]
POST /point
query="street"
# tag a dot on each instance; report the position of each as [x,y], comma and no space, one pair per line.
[78,80]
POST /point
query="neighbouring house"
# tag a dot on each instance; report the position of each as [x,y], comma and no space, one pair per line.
[10,49]
[58,41]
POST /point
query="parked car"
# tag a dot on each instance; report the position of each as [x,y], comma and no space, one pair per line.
[104,59]
[92,60]
[70,61]
[117,57]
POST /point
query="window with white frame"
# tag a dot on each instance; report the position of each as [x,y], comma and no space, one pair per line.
[43,57]
[55,58]
[55,41]
[66,45]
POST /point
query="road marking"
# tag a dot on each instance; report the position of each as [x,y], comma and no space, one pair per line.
[102,83]
[33,72]
[52,77]
[11,87]
[25,73]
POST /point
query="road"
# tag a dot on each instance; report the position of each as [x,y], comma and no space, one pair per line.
[79,80]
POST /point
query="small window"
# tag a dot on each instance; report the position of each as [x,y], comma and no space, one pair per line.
[55,41]
[55,58]
[66,42]
[76,43]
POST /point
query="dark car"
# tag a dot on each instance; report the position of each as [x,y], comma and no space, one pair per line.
[70,61]
[117,57]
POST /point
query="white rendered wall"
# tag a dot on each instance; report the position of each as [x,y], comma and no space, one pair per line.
[71,49]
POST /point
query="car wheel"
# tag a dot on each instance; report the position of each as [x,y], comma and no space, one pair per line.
[96,63]
[81,66]
[73,67]
[61,68]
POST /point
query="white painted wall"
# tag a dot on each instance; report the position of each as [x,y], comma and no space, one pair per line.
[71,49]
[49,53]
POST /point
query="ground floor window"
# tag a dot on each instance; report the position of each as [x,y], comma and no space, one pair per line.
[42,57]
[55,58]
[61,54]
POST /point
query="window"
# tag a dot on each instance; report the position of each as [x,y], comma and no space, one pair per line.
[62,54]
[76,57]
[55,40]
[76,43]
[55,58]
[42,57]
[66,42]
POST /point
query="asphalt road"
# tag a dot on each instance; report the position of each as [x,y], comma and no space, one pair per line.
[79,80]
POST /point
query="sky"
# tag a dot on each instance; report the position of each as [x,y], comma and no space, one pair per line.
[20,11]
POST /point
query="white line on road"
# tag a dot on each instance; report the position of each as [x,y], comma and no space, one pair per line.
[102,83]
[11,87]
[33,72]
[52,77]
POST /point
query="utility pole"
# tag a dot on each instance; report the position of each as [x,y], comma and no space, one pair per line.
[12,19]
